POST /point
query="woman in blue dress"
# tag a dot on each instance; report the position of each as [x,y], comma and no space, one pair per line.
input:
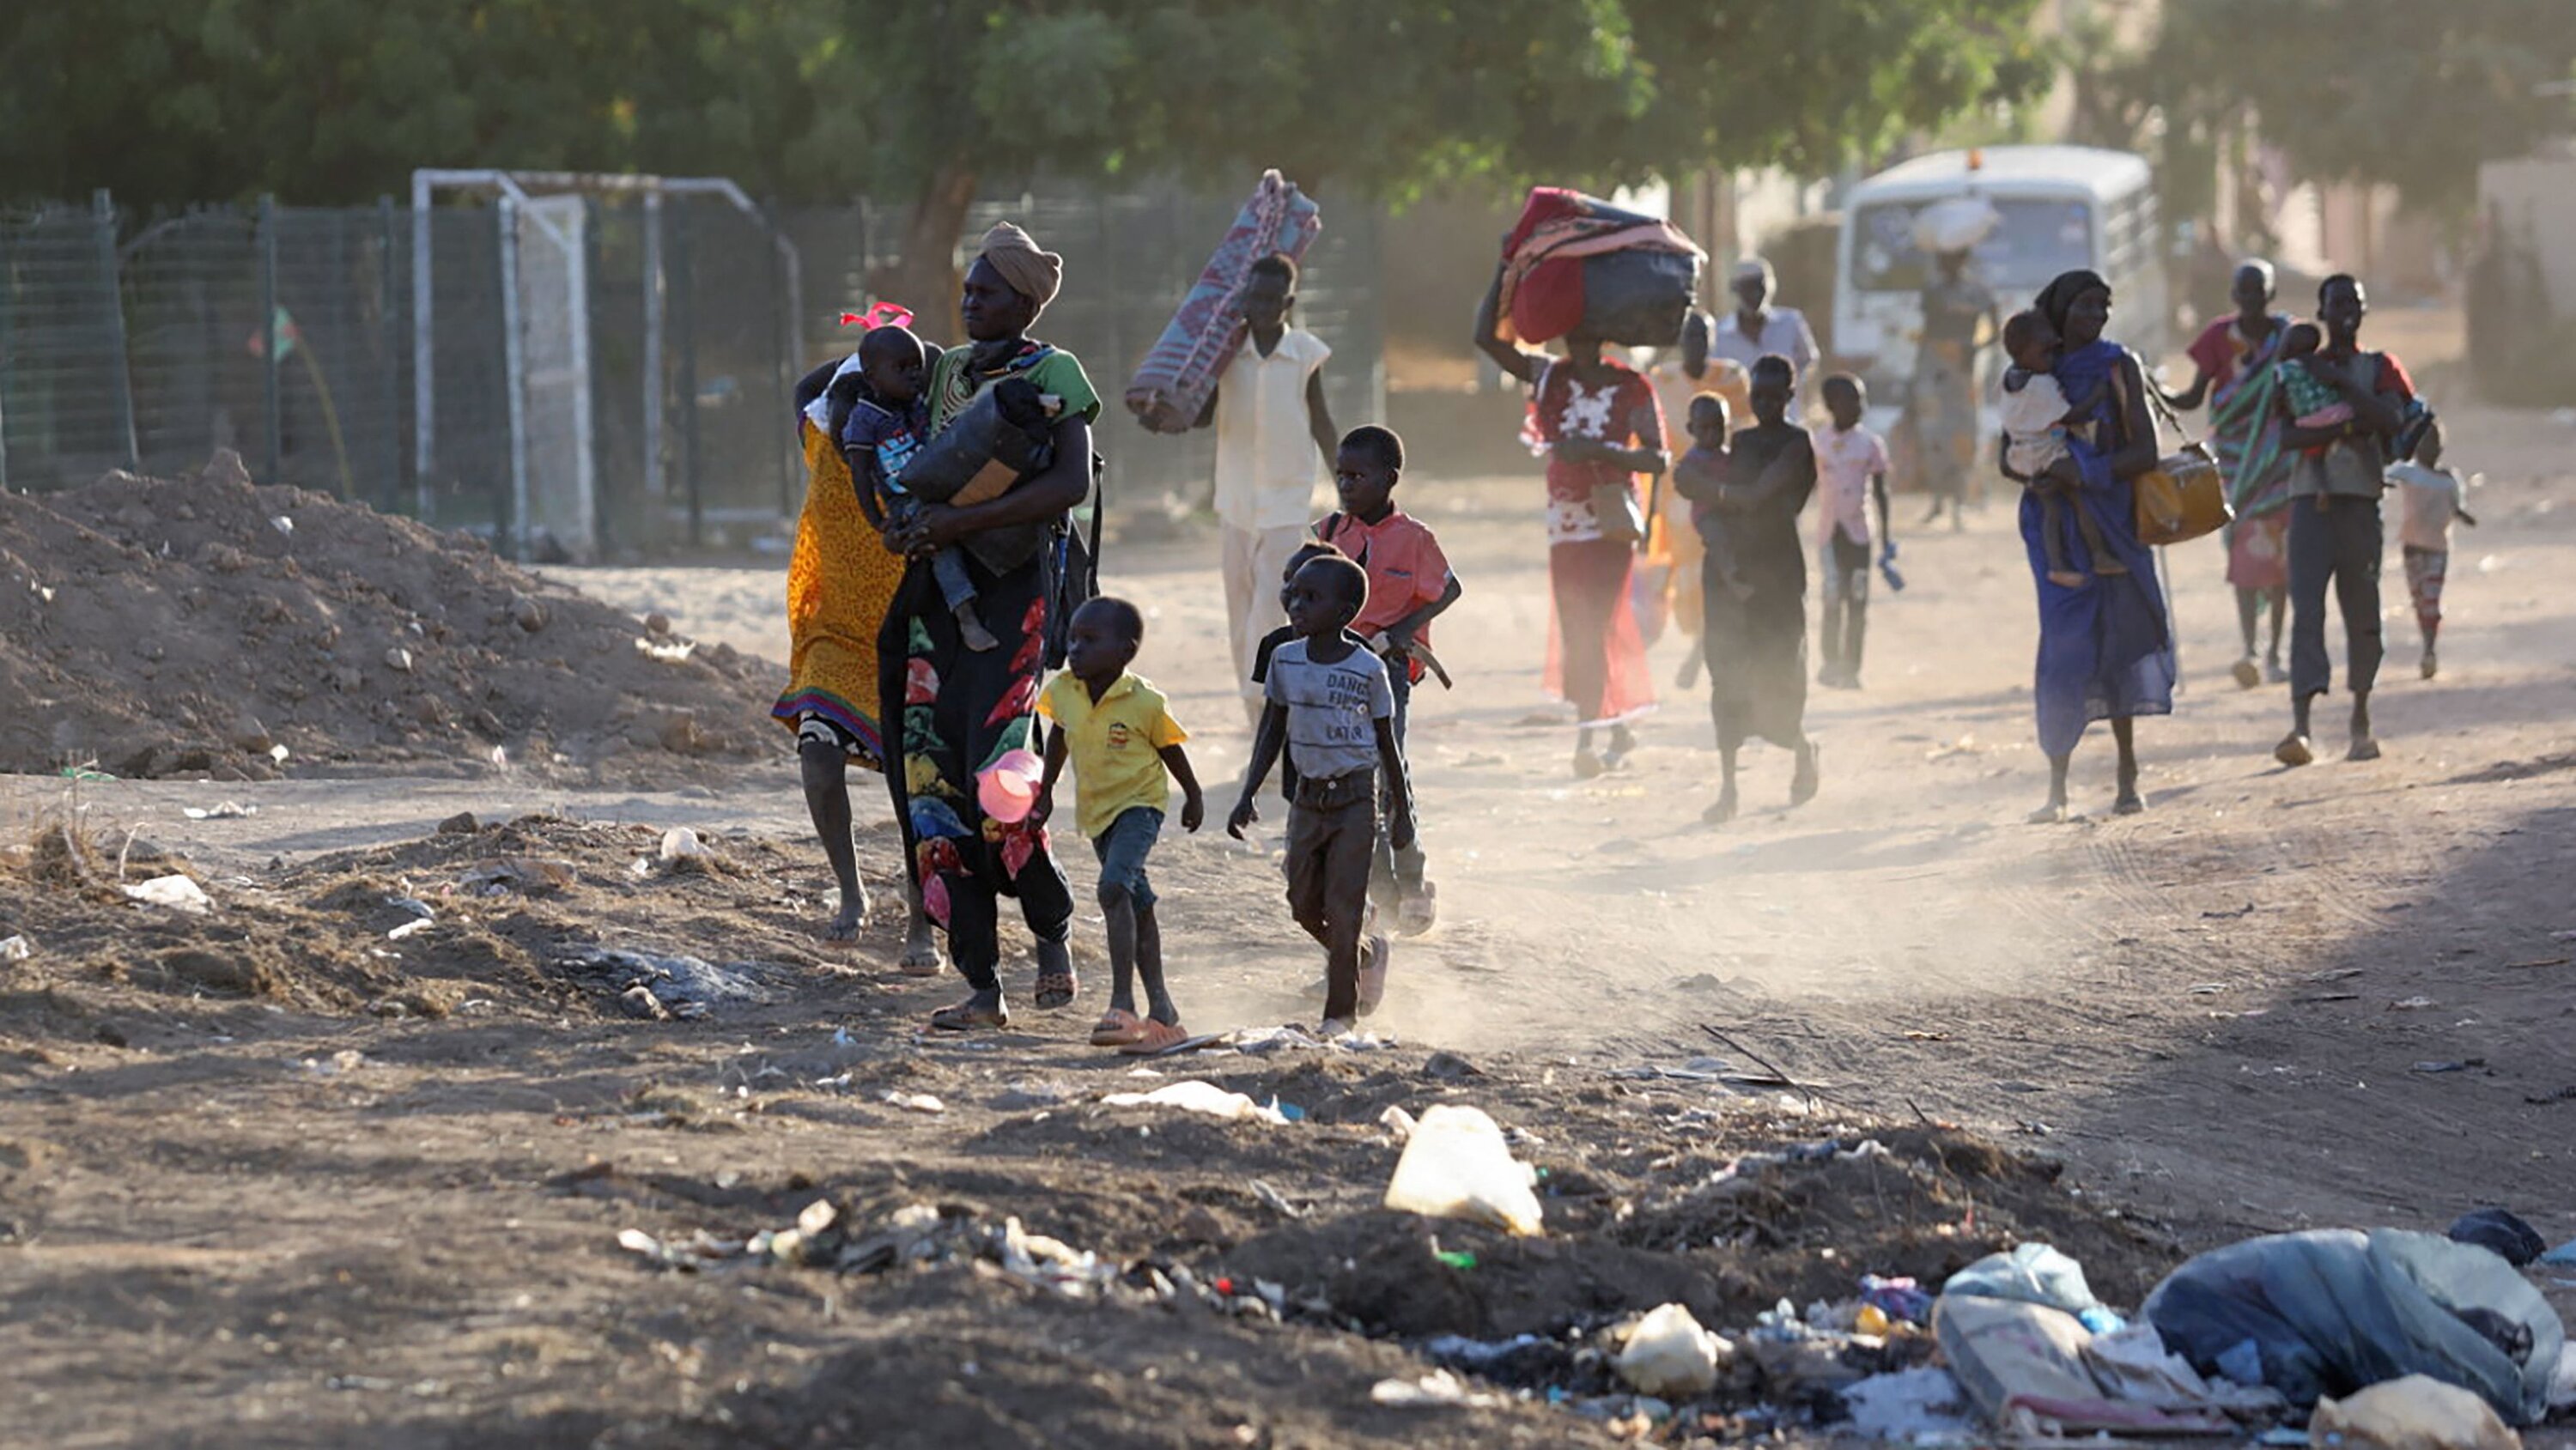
[2106,645]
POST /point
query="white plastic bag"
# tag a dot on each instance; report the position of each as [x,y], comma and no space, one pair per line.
[1671,1356]
[1194,1096]
[1456,1165]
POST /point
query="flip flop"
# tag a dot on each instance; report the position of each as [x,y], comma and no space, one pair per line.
[1373,973]
[1153,1039]
[967,1017]
[1058,989]
[916,964]
[1118,1027]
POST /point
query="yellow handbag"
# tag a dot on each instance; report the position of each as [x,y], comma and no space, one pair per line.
[2185,495]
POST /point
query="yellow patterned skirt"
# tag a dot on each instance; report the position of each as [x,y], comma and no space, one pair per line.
[840,580]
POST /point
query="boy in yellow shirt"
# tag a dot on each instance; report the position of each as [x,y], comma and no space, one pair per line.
[1126,751]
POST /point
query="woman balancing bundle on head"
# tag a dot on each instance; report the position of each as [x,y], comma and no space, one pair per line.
[968,716]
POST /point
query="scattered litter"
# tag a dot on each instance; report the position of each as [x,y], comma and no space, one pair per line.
[2023,1365]
[1258,1040]
[413,927]
[175,892]
[523,874]
[2417,1412]
[1437,1390]
[916,1102]
[1910,1404]
[1669,1354]
[1698,1069]
[2305,1312]
[2541,962]
[2563,1256]
[2411,1004]
[1276,1201]
[412,904]
[2554,1095]
[1456,1164]
[222,811]
[16,949]
[2501,1230]
[2450,1066]
[1900,1299]
[346,1060]
[2035,1274]
[665,651]
[688,986]
[1195,1096]
[1396,1121]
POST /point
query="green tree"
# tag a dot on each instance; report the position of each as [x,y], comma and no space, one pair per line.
[167,101]
[2381,91]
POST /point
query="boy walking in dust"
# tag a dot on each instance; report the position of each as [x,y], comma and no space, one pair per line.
[1329,706]
[1410,584]
[1272,433]
[1126,750]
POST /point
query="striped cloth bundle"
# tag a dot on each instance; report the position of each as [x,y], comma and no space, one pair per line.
[1172,385]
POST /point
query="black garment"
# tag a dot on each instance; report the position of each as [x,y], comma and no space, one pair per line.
[1756,634]
[2338,542]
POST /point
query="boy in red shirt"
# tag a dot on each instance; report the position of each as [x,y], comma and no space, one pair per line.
[1410,584]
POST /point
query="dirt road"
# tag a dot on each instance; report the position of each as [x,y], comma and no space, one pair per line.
[2277,999]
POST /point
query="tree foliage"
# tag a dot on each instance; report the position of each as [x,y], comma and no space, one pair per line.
[166,101]
[2383,91]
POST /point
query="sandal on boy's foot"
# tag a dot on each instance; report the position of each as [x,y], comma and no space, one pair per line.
[1154,1037]
[2248,674]
[1117,1027]
[1336,1028]
[2430,665]
[2294,751]
[1587,765]
[1058,989]
[968,1017]
[1373,962]
[1622,742]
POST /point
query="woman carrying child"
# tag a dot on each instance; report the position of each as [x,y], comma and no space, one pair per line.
[840,580]
[963,709]
[2233,359]
[1598,421]
[2105,652]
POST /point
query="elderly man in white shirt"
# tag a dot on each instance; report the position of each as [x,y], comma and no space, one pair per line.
[1274,442]
[1755,329]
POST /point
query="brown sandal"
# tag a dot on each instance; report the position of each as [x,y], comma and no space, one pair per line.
[1117,1028]
[1153,1038]
[967,1017]
[1058,989]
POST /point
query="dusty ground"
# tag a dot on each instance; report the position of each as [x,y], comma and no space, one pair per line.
[2213,1015]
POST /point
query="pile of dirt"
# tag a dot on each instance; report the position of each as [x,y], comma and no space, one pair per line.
[538,918]
[154,627]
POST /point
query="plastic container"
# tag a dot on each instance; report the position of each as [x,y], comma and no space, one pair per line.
[1007,788]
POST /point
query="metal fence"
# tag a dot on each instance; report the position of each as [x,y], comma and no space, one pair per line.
[608,368]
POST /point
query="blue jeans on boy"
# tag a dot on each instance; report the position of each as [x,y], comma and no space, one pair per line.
[1123,849]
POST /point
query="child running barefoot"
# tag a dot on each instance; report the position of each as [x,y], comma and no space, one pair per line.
[888,425]
[2038,422]
[1330,707]
[1126,751]
[1410,584]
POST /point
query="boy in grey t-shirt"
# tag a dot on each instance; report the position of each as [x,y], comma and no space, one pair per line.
[1332,709]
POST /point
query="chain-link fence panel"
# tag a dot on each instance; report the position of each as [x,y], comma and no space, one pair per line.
[66,410]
